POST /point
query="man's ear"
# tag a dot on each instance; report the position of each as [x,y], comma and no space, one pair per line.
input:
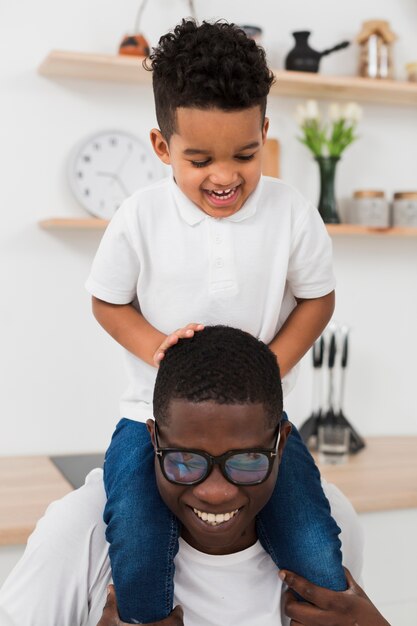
[285,433]
[160,146]
[150,425]
[265,128]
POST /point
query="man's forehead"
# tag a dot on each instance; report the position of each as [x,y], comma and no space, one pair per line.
[238,421]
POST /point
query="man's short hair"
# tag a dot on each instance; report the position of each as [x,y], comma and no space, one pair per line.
[220,364]
[214,65]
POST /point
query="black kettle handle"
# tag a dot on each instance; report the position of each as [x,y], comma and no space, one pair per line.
[339,46]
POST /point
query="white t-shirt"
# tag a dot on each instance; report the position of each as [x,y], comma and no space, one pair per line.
[62,577]
[179,265]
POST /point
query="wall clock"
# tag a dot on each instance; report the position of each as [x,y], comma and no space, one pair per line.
[107,167]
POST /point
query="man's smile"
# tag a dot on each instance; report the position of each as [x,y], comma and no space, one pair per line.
[215,519]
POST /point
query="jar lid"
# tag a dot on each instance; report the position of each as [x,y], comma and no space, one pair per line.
[411,67]
[250,30]
[405,195]
[369,193]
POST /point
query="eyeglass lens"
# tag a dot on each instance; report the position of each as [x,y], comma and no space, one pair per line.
[188,467]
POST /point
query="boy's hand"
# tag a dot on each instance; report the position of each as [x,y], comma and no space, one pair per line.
[181,333]
[335,608]
[111,617]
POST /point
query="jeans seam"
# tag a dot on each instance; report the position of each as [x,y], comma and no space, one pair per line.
[265,540]
[169,579]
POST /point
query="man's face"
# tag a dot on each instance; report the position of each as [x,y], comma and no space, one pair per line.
[216,429]
[216,156]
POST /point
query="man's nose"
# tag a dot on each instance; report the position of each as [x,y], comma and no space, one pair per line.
[216,490]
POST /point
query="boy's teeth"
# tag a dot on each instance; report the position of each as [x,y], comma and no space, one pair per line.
[214,519]
[225,194]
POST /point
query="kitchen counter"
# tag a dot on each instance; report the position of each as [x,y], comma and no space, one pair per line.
[381,477]
[27,486]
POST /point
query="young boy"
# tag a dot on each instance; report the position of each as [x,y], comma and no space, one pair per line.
[215,243]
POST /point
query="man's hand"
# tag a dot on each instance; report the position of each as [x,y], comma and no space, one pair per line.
[328,608]
[181,333]
[111,617]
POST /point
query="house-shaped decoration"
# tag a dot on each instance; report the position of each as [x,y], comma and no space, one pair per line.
[375,40]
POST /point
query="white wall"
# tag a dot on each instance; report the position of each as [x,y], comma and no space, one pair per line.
[60,374]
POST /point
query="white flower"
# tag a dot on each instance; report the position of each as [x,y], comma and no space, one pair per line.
[300,114]
[335,112]
[312,110]
[352,112]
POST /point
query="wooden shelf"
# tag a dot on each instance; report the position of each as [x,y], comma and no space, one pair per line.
[78,223]
[354,229]
[126,69]
[85,65]
[89,223]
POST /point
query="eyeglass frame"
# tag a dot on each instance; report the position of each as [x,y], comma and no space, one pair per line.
[219,460]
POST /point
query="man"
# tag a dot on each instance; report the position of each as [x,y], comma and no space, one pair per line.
[218,438]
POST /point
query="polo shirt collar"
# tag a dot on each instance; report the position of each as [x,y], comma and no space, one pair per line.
[192,214]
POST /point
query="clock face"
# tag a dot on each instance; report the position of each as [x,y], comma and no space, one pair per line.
[108,167]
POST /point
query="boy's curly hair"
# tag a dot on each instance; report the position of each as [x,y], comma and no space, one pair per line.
[214,65]
[222,365]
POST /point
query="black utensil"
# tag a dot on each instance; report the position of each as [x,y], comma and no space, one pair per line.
[356,441]
[308,430]
[302,58]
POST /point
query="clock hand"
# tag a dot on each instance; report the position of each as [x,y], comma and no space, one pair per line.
[123,162]
[122,187]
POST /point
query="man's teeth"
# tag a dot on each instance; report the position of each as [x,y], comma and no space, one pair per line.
[225,194]
[215,518]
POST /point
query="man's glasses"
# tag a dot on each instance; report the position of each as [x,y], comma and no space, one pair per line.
[240,467]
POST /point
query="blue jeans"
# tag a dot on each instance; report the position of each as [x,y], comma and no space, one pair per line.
[295,527]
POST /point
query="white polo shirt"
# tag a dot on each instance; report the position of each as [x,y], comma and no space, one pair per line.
[179,265]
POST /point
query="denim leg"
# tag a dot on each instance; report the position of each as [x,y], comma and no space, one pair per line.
[296,526]
[141,530]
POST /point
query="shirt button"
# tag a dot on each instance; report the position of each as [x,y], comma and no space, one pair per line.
[219,262]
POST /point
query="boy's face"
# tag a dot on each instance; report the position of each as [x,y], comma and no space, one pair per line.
[216,429]
[215,155]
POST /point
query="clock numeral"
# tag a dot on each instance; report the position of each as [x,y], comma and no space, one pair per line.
[80,174]
[113,141]
[97,146]
[86,158]
[86,192]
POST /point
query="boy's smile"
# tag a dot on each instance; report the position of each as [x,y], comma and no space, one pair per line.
[215,155]
[217,516]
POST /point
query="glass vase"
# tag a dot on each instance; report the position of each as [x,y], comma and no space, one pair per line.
[327,202]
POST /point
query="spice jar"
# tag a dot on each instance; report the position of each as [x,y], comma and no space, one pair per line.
[253,32]
[375,40]
[404,209]
[369,207]
[412,72]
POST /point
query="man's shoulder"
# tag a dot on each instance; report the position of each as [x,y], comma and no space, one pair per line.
[352,535]
[80,511]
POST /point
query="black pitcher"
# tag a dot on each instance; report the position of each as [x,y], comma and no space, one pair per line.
[302,58]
